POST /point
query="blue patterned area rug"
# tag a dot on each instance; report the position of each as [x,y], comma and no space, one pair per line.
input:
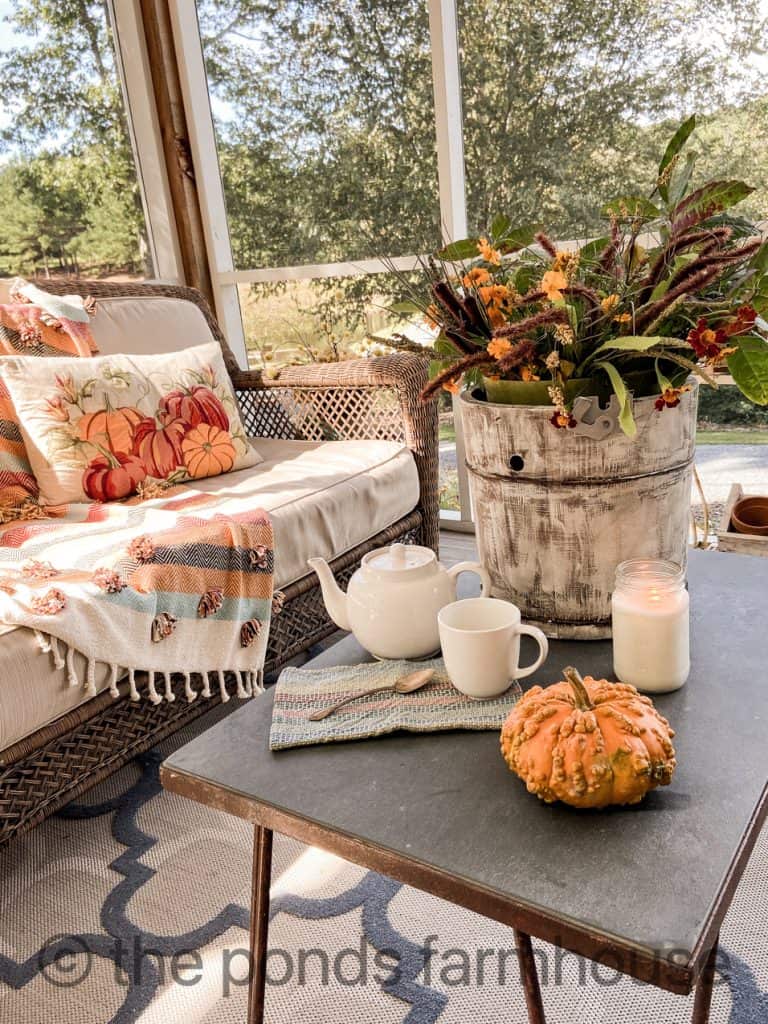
[130,907]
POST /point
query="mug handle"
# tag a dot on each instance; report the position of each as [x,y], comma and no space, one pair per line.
[541,640]
[485,579]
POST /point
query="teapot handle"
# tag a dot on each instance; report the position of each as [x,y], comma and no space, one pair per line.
[475,567]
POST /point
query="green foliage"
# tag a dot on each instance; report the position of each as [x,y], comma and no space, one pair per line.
[644,315]
[69,200]
[626,419]
[749,368]
[674,146]
[727,406]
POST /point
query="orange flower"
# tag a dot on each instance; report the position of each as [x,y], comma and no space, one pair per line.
[452,386]
[552,284]
[495,317]
[623,318]
[431,317]
[562,419]
[475,277]
[609,303]
[499,347]
[528,373]
[670,397]
[497,295]
[489,254]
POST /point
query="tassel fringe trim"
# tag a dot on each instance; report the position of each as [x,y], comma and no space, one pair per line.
[246,684]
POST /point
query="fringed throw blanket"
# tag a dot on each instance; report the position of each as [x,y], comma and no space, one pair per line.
[179,583]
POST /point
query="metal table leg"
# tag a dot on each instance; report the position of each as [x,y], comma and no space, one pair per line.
[261,878]
[703,998]
[530,978]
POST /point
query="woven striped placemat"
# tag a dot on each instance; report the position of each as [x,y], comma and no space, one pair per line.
[437,706]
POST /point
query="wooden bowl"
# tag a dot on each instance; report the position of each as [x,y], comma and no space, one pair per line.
[750,515]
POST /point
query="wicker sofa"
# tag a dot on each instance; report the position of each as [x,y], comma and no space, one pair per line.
[299,415]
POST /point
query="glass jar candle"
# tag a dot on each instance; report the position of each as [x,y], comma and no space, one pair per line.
[651,625]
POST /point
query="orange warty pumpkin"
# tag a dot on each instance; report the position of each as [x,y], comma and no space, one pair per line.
[110,428]
[207,451]
[588,742]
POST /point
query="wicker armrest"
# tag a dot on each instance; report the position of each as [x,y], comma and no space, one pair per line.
[375,398]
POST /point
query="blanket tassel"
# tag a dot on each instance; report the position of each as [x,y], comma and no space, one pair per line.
[43,641]
[58,661]
[113,681]
[242,686]
[188,691]
[170,696]
[206,691]
[90,678]
[258,682]
[223,687]
[154,696]
[70,665]
[132,684]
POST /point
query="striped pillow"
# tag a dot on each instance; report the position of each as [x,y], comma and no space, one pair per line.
[27,329]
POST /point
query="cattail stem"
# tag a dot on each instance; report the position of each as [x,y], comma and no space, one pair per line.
[452,372]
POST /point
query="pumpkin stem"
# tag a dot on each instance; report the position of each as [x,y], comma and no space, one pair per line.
[580,691]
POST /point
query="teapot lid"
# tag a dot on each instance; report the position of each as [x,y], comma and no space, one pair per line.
[399,558]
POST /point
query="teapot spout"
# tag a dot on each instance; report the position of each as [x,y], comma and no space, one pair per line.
[334,597]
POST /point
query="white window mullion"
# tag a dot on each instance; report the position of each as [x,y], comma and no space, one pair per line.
[144,129]
[449,131]
[446,82]
[202,140]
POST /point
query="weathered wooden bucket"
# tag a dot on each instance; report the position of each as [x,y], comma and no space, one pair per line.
[556,512]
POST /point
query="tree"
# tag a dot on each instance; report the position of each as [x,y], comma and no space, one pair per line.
[68,197]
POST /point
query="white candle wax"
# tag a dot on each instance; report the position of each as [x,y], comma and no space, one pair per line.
[651,637]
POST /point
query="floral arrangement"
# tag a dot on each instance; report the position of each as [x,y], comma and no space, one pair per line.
[676,287]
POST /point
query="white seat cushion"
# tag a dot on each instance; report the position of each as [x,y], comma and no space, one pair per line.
[324,498]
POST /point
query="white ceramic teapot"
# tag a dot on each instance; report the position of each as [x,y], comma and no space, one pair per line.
[392,601]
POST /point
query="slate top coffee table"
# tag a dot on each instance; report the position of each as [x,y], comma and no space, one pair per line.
[643,890]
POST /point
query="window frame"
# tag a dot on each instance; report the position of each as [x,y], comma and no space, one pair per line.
[446,77]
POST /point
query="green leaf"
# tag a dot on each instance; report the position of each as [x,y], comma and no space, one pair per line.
[500,225]
[681,179]
[664,382]
[588,253]
[445,347]
[705,202]
[525,278]
[438,365]
[626,419]
[405,307]
[760,259]
[465,249]
[516,239]
[632,343]
[573,316]
[674,146]
[749,367]
[631,207]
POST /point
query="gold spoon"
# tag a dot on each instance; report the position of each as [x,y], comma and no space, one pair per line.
[405,684]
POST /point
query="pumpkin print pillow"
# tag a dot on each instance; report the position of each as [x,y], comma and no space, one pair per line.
[107,428]
[27,329]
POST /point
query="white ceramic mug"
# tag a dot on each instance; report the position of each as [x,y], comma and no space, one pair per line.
[480,638]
